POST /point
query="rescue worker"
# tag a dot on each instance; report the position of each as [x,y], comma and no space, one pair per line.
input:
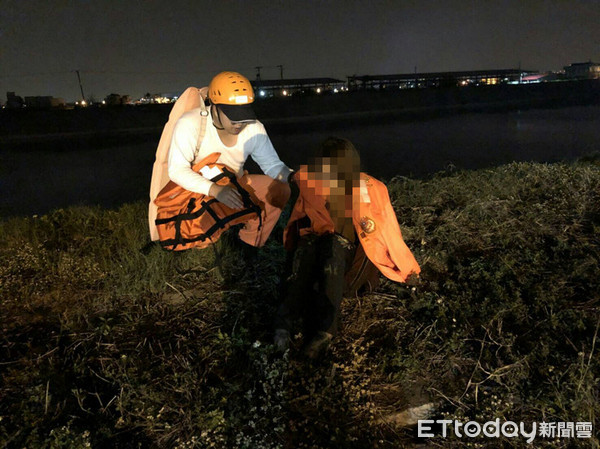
[233,131]
[342,232]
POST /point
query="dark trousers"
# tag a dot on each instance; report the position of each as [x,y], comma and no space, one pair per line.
[313,291]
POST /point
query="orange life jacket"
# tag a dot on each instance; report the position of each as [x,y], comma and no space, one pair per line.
[374,221]
[190,99]
[186,219]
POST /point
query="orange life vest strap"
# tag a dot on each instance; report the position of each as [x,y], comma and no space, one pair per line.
[219,224]
[206,207]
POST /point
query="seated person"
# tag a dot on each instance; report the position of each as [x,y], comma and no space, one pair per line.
[342,232]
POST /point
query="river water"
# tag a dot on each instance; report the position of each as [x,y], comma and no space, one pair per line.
[36,181]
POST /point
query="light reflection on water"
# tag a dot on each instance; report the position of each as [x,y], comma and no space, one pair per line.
[34,182]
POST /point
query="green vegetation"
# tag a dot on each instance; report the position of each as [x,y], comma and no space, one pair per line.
[104,346]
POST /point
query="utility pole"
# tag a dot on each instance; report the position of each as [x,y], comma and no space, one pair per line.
[258,72]
[280,71]
[416,80]
[80,86]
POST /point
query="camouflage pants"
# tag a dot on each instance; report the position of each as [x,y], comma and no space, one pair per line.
[313,292]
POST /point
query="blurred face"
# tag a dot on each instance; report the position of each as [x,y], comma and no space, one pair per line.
[222,121]
[336,177]
[336,172]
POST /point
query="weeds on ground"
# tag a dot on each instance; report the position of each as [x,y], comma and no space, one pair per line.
[507,312]
[105,346]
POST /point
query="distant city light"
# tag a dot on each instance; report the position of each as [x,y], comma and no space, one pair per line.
[285,93]
[318,90]
[335,90]
[262,93]
[103,101]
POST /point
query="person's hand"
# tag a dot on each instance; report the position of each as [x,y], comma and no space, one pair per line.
[226,195]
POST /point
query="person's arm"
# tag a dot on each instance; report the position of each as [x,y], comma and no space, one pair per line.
[285,175]
[181,158]
[266,157]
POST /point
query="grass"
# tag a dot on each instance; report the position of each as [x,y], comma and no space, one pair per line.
[105,346]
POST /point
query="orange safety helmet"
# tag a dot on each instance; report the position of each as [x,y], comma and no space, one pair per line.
[233,93]
[230,88]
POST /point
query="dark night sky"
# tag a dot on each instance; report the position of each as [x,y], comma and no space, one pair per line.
[134,47]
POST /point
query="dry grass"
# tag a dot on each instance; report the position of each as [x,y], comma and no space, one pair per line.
[105,346]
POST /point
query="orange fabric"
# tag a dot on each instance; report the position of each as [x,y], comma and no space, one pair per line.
[267,196]
[183,220]
[271,195]
[188,100]
[383,245]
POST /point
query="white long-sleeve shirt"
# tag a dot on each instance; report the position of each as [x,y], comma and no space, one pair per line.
[252,141]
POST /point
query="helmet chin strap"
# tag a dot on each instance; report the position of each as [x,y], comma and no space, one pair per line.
[219,117]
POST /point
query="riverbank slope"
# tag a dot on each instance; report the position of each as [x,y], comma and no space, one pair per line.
[106,346]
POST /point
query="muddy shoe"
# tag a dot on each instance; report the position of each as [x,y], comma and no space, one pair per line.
[281,340]
[318,345]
